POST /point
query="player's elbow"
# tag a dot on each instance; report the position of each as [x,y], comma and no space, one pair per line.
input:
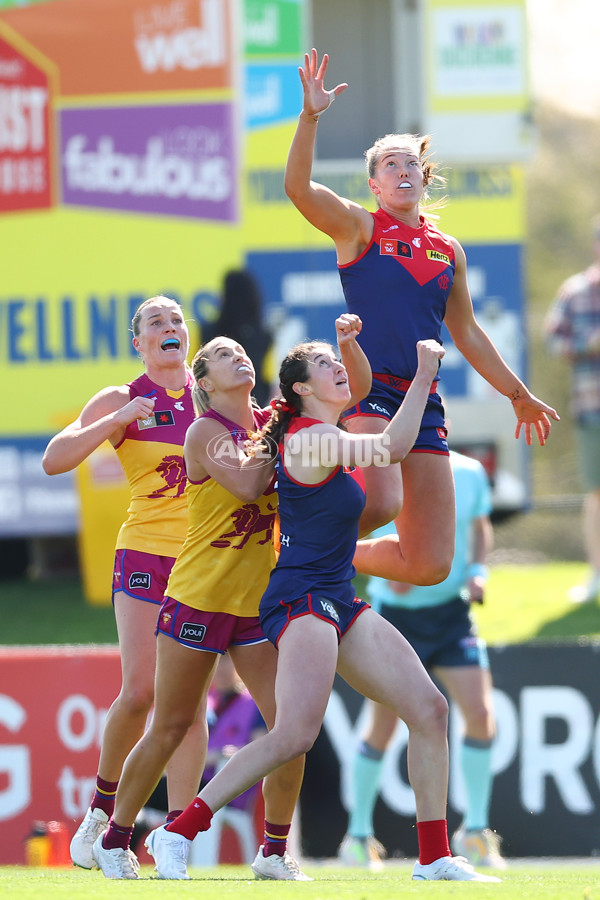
[50,465]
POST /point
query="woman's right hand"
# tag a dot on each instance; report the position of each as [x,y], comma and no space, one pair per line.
[138,408]
[429,356]
[316,98]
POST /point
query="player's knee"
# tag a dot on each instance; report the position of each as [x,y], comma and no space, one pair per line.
[298,743]
[171,732]
[434,714]
[137,699]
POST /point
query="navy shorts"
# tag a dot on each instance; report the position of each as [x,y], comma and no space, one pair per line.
[338,613]
[443,635]
[384,401]
[213,632]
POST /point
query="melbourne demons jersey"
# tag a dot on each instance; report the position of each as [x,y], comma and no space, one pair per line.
[318,532]
[399,286]
[228,551]
[151,453]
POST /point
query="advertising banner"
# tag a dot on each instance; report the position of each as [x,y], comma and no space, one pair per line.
[546,791]
[26,148]
[477,81]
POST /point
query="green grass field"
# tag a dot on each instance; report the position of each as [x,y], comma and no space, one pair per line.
[546,881]
[523,603]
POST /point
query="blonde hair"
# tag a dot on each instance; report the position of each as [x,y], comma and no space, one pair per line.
[200,397]
[414,143]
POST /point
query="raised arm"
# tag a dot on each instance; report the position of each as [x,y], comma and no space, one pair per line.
[210,450]
[479,351]
[343,220]
[328,446]
[348,327]
[104,417]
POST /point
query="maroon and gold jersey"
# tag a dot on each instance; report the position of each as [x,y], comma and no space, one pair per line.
[151,453]
[228,554]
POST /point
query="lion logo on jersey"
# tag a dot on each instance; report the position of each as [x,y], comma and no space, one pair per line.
[248,521]
[172,470]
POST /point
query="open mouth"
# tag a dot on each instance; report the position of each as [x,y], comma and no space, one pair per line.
[405,185]
[170,344]
[245,368]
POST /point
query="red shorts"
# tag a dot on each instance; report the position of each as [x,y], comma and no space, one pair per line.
[214,632]
[141,575]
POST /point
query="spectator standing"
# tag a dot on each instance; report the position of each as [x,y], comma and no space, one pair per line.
[573,333]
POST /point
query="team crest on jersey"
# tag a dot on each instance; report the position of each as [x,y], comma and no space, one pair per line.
[162,417]
[390,247]
[437,256]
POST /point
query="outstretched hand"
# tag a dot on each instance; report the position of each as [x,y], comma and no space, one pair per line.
[316,98]
[531,412]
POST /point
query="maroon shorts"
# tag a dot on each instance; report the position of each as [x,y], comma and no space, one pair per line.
[214,632]
[141,575]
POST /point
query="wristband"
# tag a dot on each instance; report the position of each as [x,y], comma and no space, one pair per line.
[477,570]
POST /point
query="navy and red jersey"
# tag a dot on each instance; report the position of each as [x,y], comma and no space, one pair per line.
[399,287]
[318,532]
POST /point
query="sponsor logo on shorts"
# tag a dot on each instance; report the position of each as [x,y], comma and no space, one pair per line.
[380,409]
[330,610]
[191,632]
[140,580]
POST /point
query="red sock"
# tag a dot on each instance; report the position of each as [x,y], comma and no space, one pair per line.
[104,796]
[195,817]
[433,840]
[117,836]
[275,840]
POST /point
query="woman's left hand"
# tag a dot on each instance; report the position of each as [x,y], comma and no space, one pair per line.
[347,328]
[533,412]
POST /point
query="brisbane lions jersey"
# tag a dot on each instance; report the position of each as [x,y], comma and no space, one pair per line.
[228,552]
[151,453]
